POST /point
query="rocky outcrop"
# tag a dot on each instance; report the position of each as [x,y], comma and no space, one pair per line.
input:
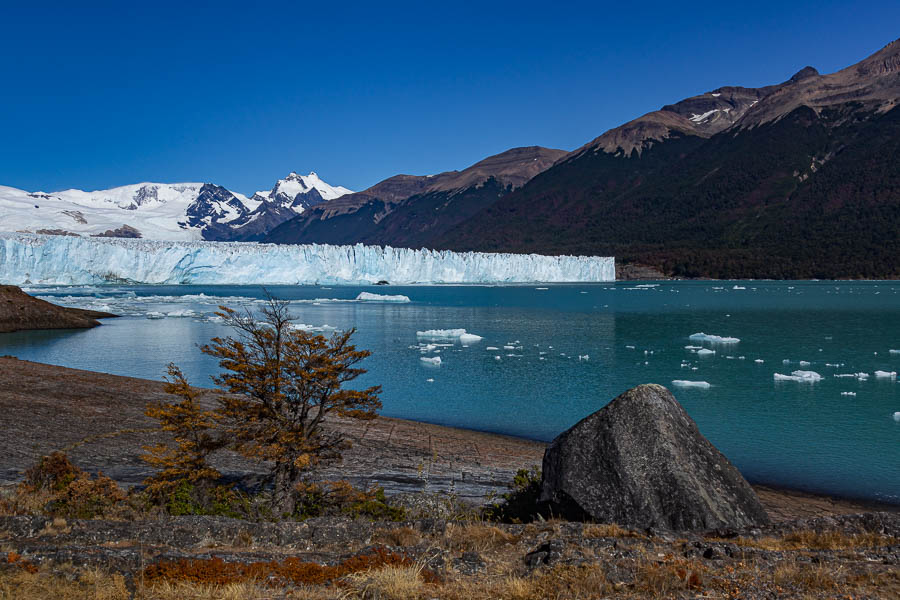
[20,311]
[641,462]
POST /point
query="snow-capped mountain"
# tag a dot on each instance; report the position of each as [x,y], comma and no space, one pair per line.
[163,211]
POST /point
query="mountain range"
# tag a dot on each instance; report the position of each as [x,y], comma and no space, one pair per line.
[164,211]
[793,180]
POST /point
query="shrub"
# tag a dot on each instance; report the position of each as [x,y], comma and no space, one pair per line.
[316,499]
[521,504]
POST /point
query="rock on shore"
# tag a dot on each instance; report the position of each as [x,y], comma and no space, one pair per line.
[19,311]
[641,462]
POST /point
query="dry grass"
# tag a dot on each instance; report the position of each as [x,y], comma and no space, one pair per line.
[399,536]
[793,575]
[234,591]
[62,584]
[388,583]
[476,537]
[827,540]
[610,530]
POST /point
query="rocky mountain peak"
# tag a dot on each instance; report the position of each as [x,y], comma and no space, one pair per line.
[804,73]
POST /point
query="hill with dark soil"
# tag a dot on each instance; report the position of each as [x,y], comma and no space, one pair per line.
[19,311]
[802,184]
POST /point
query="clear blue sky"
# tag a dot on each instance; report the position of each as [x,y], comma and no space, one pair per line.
[96,94]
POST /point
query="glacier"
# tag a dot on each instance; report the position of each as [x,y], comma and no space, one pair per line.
[69,260]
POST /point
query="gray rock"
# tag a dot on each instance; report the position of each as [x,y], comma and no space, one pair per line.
[642,463]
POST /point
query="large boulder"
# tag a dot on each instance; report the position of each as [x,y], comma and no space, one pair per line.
[641,462]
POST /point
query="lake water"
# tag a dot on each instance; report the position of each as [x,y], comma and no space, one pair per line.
[565,351]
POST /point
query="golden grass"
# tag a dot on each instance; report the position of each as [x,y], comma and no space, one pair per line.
[399,536]
[827,540]
[88,584]
[609,530]
[388,583]
[806,577]
[476,537]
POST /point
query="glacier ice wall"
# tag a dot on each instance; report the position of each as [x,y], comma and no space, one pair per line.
[66,260]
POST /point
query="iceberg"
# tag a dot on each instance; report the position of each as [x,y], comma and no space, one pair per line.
[713,339]
[801,376]
[33,259]
[435,361]
[369,297]
[885,374]
[469,338]
[682,383]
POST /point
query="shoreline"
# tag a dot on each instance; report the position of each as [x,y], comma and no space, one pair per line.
[104,427]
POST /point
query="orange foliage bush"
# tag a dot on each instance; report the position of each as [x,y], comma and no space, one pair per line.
[14,558]
[216,571]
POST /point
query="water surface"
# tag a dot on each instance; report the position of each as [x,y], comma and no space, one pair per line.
[563,351]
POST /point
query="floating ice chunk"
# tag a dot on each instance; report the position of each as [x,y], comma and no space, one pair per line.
[433,361]
[739,287]
[312,328]
[440,334]
[155,315]
[185,312]
[508,347]
[629,347]
[469,338]
[369,297]
[886,374]
[714,339]
[897,416]
[759,361]
[848,393]
[693,348]
[705,352]
[583,357]
[497,357]
[691,384]
[492,348]
[542,288]
[894,352]
[804,363]
[430,380]
[802,376]
[449,334]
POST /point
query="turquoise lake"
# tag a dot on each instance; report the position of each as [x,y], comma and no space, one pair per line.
[565,351]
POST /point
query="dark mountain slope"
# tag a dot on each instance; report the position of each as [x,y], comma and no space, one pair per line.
[806,195]
[405,210]
[793,180]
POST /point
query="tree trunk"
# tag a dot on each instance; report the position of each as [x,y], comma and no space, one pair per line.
[283,497]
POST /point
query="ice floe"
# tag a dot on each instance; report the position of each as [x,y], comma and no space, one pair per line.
[449,334]
[848,393]
[434,361]
[705,352]
[714,339]
[369,297]
[801,376]
[886,374]
[682,383]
